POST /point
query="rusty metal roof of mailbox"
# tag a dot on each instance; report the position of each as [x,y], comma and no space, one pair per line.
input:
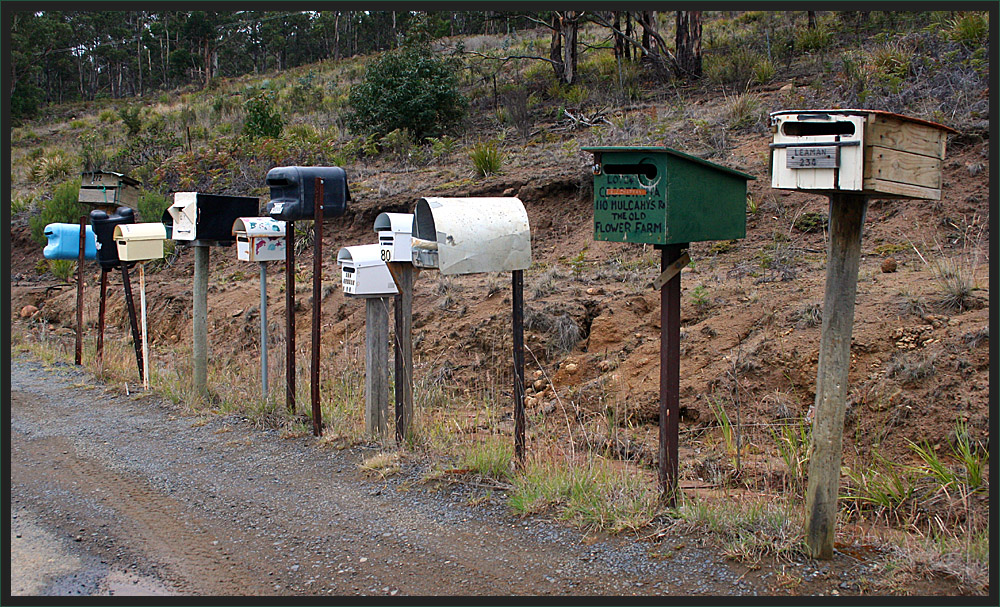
[878,112]
[662,149]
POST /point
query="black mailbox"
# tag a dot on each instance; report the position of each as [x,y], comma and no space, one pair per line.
[104,231]
[207,217]
[293,192]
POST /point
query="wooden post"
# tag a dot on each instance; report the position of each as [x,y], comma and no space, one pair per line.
[670,337]
[290,316]
[199,324]
[377,366]
[847,212]
[517,318]
[145,339]
[263,329]
[79,290]
[317,317]
[403,323]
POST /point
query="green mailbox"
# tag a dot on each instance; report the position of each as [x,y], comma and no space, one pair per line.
[656,195]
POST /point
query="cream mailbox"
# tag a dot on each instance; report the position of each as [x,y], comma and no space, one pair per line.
[140,241]
[395,232]
[471,235]
[870,152]
[363,272]
[259,239]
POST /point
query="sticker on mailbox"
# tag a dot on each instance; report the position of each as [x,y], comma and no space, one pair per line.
[811,158]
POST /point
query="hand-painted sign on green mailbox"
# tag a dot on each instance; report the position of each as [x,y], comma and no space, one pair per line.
[657,195]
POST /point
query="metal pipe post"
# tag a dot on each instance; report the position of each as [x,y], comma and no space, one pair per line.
[263,328]
[670,336]
[130,304]
[200,319]
[79,290]
[145,338]
[317,317]
[517,314]
[290,316]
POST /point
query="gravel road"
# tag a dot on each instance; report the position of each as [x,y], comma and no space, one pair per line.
[114,494]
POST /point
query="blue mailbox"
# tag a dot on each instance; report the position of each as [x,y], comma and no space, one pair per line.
[64,242]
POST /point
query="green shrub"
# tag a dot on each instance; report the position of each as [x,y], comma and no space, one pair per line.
[487,158]
[743,110]
[736,67]
[151,206]
[63,269]
[262,119]
[51,167]
[407,88]
[62,208]
[970,30]
[106,116]
[811,40]
[764,71]
[130,117]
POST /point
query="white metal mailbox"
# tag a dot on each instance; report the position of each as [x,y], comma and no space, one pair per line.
[184,211]
[471,235]
[363,272]
[140,241]
[259,239]
[871,152]
[395,231]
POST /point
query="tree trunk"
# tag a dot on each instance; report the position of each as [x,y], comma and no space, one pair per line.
[688,42]
[336,36]
[812,19]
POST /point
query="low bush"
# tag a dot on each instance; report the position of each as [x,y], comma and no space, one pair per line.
[62,208]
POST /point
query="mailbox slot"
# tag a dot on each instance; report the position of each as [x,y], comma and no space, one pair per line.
[104,232]
[207,217]
[471,235]
[879,154]
[293,192]
[395,231]
[259,239]
[140,241]
[64,242]
[363,273]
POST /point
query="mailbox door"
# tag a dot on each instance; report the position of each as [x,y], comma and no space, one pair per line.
[630,197]
[184,212]
[242,247]
[267,248]
[817,151]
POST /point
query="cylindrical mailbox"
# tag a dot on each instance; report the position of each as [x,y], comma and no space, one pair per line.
[471,235]
[64,242]
[104,232]
[293,192]
[395,232]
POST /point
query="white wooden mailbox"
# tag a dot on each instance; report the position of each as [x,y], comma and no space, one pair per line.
[395,231]
[363,272]
[471,235]
[259,239]
[140,241]
[880,154]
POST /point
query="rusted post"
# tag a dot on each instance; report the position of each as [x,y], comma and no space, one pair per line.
[130,304]
[670,334]
[317,410]
[847,213]
[100,317]
[79,290]
[403,325]
[517,317]
[290,316]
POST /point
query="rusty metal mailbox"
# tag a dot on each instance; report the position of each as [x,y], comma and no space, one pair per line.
[64,242]
[870,152]
[259,239]
[140,241]
[363,273]
[471,235]
[657,195]
[395,232]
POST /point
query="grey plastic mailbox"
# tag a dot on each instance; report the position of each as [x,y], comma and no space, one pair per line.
[471,235]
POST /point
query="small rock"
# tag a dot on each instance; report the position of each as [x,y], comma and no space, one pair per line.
[595,291]
[539,385]
[29,310]
[571,367]
[888,265]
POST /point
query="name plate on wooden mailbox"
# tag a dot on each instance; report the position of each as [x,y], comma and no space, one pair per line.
[812,158]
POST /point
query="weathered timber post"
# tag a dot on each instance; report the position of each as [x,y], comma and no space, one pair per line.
[377,366]
[199,320]
[670,357]
[403,325]
[847,213]
[130,305]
